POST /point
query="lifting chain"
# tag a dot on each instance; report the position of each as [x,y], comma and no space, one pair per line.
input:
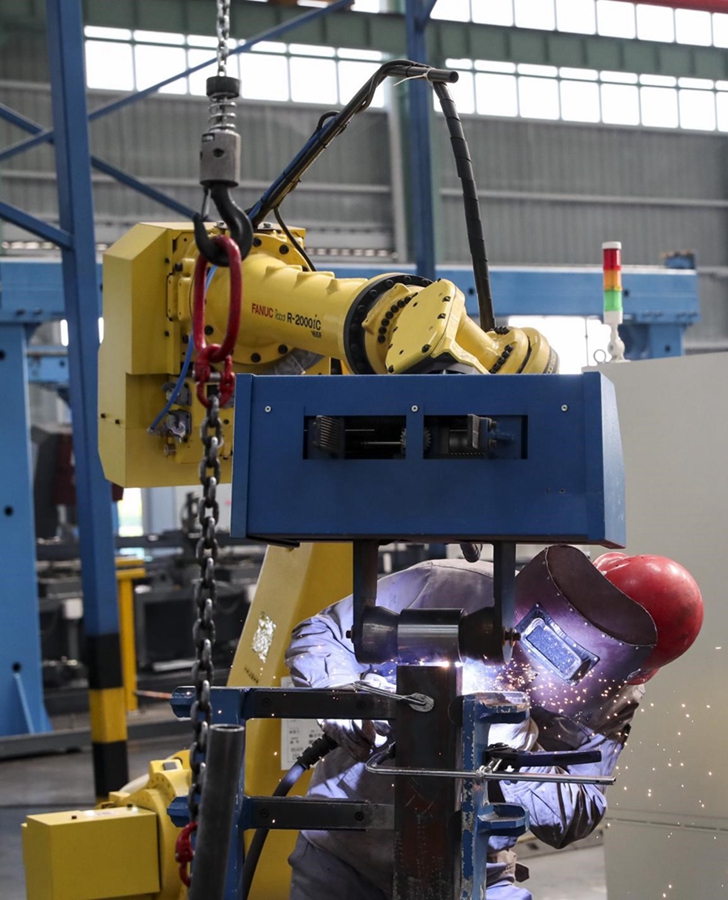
[223,35]
[205,597]
[206,549]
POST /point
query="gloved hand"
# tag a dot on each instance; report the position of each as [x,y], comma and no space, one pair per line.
[521,736]
[360,737]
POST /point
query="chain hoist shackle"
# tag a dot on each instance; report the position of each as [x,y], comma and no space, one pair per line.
[220,153]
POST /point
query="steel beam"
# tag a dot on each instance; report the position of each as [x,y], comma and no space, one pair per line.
[80,286]
[15,118]
[48,365]
[21,683]
[34,225]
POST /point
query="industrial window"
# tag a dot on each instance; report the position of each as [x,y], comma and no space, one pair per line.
[538,98]
[659,107]
[697,110]
[118,59]
[620,104]
[611,18]
[576,15]
[109,66]
[585,95]
[494,12]
[616,19]
[693,27]
[455,10]
[535,14]
[496,95]
[720,29]
[580,101]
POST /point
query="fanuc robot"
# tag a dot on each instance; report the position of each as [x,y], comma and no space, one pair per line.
[422,444]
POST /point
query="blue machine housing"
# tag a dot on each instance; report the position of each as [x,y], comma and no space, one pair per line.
[560,479]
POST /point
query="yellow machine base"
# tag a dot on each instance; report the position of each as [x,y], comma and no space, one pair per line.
[92,854]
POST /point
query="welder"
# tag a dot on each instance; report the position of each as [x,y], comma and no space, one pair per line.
[590,636]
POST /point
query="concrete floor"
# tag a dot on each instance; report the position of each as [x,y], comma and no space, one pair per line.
[66,782]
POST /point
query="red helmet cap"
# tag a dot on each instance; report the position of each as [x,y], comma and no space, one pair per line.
[670,595]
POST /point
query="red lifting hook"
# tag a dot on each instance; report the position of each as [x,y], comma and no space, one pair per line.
[207,354]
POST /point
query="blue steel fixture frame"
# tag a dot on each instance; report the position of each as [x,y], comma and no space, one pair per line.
[22,308]
[558,477]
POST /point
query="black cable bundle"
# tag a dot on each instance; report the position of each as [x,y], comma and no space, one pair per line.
[310,756]
[473,222]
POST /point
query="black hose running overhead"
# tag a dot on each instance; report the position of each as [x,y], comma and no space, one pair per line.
[473,222]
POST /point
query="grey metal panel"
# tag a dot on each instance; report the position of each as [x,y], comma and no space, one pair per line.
[566,233]
[668,808]
[523,155]
[345,201]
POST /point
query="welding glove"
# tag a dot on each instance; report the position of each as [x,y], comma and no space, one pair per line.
[360,737]
[521,736]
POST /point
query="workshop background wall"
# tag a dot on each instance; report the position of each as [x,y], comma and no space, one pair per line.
[552,192]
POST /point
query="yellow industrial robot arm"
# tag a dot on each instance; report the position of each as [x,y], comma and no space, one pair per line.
[394,323]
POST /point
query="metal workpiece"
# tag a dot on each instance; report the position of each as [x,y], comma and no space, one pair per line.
[226,745]
[412,636]
[426,841]
[429,635]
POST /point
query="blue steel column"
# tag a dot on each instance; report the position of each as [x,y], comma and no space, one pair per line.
[417,13]
[80,285]
[21,680]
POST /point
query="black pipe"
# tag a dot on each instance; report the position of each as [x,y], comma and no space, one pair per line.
[217,808]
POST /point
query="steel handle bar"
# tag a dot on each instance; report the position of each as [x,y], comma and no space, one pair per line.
[373,766]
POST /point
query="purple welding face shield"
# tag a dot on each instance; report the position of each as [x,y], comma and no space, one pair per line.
[581,637]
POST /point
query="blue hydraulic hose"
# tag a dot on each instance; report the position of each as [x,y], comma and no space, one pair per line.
[183,371]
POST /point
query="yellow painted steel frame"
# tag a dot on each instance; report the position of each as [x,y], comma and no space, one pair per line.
[286,307]
[294,584]
[128,570]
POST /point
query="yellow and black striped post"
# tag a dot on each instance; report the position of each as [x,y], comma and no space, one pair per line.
[108,713]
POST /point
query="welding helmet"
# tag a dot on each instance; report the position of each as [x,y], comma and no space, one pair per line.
[582,638]
[670,595]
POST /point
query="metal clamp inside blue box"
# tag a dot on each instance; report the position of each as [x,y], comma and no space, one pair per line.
[528,458]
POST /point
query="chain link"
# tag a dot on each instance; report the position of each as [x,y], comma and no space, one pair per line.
[223,35]
[205,595]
